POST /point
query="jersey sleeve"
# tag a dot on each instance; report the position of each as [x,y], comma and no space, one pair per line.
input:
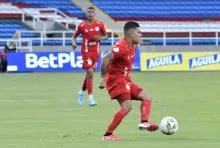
[103,30]
[118,51]
[78,31]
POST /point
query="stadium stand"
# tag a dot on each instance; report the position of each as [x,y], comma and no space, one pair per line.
[175,17]
[191,10]
[65,6]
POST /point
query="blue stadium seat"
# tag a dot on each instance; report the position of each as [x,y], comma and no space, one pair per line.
[36,42]
[63,5]
[138,8]
[29,35]
[161,8]
[157,42]
[8,29]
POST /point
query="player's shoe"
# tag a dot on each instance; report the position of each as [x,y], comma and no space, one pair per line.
[92,102]
[80,98]
[111,137]
[148,126]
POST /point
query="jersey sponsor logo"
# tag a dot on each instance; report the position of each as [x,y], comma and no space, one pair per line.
[53,61]
[128,86]
[164,60]
[96,28]
[130,57]
[204,60]
[116,49]
[127,73]
[89,61]
[91,29]
[92,43]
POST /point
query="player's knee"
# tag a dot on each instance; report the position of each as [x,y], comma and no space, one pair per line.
[90,73]
[127,108]
[145,96]
[127,105]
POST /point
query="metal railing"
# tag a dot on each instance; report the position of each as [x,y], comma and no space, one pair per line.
[190,37]
[50,14]
[29,12]
[65,35]
[42,36]
[19,44]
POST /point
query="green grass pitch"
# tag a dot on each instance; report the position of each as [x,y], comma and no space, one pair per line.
[40,110]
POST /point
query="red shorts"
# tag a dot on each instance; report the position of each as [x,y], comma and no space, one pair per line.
[117,89]
[90,61]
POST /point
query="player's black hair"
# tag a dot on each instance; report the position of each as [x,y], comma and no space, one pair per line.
[90,8]
[130,25]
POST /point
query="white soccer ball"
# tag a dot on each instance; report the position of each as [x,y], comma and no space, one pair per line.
[168,125]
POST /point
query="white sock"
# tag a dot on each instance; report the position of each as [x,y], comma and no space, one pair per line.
[81,91]
[90,96]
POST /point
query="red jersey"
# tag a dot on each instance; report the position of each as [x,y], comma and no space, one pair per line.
[89,45]
[121,66]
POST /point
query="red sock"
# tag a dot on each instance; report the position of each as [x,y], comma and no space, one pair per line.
[145,110]
[84,87]
[89,83]
[119,115]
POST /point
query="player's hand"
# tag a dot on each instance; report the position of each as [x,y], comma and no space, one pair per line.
[74,46]
[102,83]
[97,38]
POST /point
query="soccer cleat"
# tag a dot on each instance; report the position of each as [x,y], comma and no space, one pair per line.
[92,102]
[148,126]
[80,98]
[111,137]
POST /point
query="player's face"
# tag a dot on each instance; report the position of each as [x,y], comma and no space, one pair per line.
[90,14]
[136,35]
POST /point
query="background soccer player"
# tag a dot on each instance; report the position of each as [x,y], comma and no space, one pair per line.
[116,70]
[93,32]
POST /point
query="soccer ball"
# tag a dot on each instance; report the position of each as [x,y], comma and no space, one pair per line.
[168,125]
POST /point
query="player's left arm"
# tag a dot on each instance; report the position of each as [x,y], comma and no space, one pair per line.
[104,66]
[104,32]
[104,35]
[75,35]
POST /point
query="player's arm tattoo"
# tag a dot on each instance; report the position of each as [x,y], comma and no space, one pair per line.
[105,61]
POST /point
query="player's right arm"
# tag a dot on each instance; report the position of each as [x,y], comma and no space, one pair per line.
[76,34]
[104,66]
[116,52]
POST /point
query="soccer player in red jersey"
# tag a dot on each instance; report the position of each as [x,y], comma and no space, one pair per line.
[116,68]
[93,32]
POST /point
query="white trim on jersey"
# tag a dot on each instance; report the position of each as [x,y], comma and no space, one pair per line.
[86,45]
[98,47]
[98,23]
[82,24]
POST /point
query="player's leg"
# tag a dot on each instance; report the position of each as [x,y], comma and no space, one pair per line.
[81,93]
[84,86]
[126,106]
[89,82]
[137,93]
[145,110]
[88,65]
